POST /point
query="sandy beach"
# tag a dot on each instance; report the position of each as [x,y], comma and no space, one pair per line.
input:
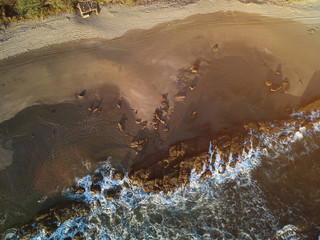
[132,81]
[115,20]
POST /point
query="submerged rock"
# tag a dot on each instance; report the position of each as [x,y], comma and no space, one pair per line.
[112,193]
[46,222]
[95,189]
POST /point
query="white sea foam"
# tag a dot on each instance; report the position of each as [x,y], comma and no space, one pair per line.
[228,205]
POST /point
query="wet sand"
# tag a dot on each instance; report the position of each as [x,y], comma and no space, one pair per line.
[189,78]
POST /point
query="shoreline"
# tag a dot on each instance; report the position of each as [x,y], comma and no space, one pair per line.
[203,156]
[174,82]
[116,20]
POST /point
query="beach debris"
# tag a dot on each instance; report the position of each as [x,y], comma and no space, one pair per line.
[300,82]
[82,93]
[215,48]
[285,83]
[166,129]
[277,72]
[86,8]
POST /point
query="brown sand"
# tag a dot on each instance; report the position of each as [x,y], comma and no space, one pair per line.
[215,70]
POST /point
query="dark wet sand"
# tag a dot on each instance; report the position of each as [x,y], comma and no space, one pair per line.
[216,70]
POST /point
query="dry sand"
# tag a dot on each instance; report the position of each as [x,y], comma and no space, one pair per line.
[114,21]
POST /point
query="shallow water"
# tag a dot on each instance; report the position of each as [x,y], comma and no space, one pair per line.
[272,194]
[49,137]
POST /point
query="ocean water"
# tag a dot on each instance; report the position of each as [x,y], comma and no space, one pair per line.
[272,193]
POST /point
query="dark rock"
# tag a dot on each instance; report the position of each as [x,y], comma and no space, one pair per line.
[167,169]
[78,236]
[47,221]
[95,189]
[117,175]
[112,193]
[97,177]
[77,189]
[82,93]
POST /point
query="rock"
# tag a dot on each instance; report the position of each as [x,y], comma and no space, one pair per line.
[138,144]
[164,96]
[97,204]
[95,189]
[117,175]
[78,236]
[47,221]
[172,167]
[215,48]
[112,193]
[194,114]
[77,189]
[119,103]
[167,169]
[268,83]
[134,144]
[192,87]
[97,177]
[311,31]
[180,95]
[120,126]
[206,174]
[275,89]
[82,93]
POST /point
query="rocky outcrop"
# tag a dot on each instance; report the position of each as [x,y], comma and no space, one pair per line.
[170,168]
[48,221]
[165,170]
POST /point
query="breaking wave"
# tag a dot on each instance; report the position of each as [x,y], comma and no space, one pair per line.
[232,204]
